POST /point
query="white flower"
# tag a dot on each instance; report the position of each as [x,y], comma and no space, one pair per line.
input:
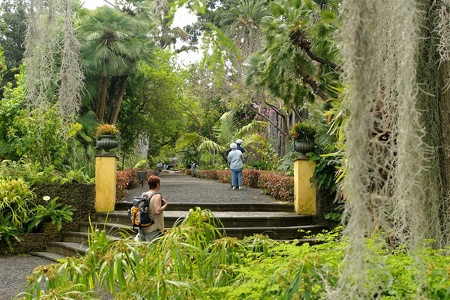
[46,198]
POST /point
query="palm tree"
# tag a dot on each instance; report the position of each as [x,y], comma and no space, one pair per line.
[112,44]
[241,23]
[191,145]
[297,61]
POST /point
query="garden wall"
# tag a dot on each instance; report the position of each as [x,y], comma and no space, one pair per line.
[79,196]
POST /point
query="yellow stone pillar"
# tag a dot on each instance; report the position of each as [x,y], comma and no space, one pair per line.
[105,183]
[304,192]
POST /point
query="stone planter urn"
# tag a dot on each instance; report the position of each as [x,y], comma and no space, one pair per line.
[303,146]
[106,142]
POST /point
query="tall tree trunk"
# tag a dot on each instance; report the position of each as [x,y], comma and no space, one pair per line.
[102,102]
[118,102]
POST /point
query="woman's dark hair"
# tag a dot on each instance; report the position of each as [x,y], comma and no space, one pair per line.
[153,181]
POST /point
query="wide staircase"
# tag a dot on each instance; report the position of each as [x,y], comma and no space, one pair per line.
[277,220]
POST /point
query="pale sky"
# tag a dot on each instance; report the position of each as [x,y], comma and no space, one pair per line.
[92,4]
[182,17]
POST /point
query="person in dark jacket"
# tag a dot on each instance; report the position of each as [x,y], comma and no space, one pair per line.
[239,147]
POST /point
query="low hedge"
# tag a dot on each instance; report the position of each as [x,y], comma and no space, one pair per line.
[275,184]
[127,180]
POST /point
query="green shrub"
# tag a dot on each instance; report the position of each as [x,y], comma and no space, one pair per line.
[260,165]
[33,173]
[17,199]
[52,212]
[40,137]
[324,176]
[19,211]
[194,261]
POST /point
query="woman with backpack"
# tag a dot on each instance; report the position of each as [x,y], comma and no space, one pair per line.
[156,208]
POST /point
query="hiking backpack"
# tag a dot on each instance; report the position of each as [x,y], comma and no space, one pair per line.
[138,214]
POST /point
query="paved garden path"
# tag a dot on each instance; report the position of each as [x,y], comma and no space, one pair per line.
[188,189]
[174,188]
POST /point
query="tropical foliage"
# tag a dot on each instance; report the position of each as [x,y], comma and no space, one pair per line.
[205,264]
[302,130]
[370,75]
[20,213]
[112,44]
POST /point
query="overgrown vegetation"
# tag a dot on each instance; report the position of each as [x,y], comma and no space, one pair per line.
[20,213]
[193,260]
[387,139]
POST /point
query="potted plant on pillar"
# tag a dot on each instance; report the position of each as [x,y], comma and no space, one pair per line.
[303,135]
[106,137]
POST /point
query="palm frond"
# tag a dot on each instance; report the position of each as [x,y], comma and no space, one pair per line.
[253,127]
[211,147]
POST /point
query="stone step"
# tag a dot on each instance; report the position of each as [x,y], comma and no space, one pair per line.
[228,218]
[49,255]
[280,233]
[82,237]
[269,207]
[111,229]
[274,232]
[74,244]
[67,248]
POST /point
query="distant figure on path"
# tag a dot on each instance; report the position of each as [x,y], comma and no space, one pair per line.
[193,166]
[156,209]
[159,167]
[236,160]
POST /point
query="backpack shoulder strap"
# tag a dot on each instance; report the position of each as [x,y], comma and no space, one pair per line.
[150,197]
[144,195]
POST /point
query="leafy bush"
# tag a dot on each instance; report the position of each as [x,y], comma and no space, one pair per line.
[278,186]
[250,178]
[224,176]
[76,176]
[19,211]
[16,201]
[34,174]
[206,174]
[40,138]
[325,173]
[260,165]
[127,180]
[53,212]
[204,264]
[123,183]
